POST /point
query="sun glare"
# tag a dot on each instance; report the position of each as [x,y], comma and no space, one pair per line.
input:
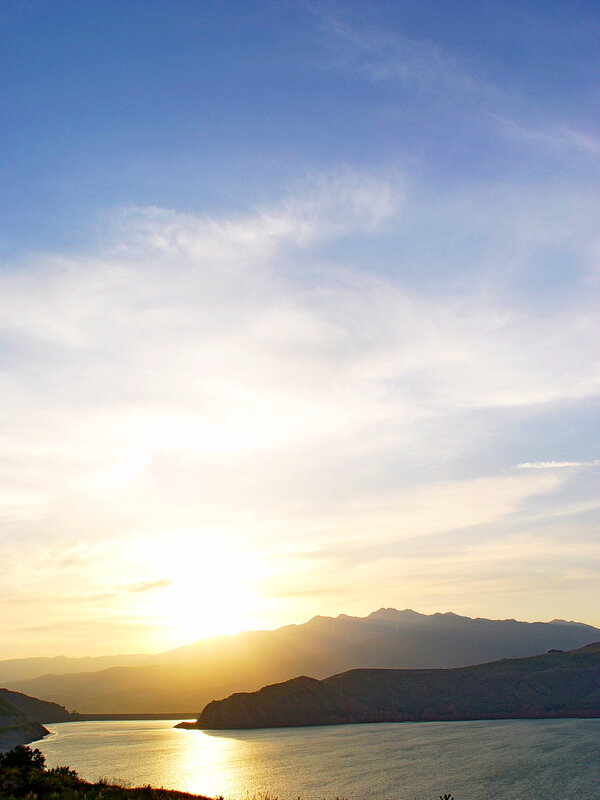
[208,590]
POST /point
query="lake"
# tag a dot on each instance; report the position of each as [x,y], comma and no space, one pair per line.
[482,760]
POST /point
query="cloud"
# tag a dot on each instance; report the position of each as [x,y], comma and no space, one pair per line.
[552,136]
[453,86]
[326,206]
[149,586]
[386,55]
[190,345]
[241,380]
[557,464]
[420,521]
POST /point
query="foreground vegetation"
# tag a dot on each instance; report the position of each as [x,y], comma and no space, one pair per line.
[23,774]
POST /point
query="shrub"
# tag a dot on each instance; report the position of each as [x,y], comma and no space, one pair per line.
[23,757]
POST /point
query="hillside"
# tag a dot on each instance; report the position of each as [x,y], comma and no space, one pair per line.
[552,685]
[184,680]
[21,717]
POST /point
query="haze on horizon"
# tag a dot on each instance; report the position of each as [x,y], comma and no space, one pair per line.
[299,315]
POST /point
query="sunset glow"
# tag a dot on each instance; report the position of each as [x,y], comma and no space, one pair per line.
[299,316]
[206,590]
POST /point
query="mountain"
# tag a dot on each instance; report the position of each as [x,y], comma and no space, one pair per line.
[184,680]
[21,717]
[21,669]
[551,685]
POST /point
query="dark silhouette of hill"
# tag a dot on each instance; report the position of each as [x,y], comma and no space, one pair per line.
[22,669]
[21,717]
[555,684]
[184,680]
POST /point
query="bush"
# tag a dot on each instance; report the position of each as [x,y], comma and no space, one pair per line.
[23,757]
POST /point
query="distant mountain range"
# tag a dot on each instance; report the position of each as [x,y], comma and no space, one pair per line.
[21,717]
[551,685]
[184,680]
[22,669]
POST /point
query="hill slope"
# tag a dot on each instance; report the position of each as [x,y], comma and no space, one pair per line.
[21,717]
[551,685]
[184,680]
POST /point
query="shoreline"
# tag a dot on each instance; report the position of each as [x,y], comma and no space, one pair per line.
[22,734]
[83,717]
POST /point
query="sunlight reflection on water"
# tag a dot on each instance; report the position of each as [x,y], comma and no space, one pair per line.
[504,759]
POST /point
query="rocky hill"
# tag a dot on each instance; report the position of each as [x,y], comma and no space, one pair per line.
[555,684]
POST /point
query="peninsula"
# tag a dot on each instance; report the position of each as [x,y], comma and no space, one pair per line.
[556,684]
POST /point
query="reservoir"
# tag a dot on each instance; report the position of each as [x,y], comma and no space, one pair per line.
[480,760]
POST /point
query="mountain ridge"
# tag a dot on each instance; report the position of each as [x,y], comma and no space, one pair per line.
[185,679]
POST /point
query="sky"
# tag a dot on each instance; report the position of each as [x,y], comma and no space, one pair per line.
[298,315]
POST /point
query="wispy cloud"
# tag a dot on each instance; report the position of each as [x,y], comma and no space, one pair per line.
[325,207]
[393,55]
[553,137]
[450,82]
[149,586]
[557,464]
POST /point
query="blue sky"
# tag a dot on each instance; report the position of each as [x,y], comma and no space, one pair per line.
[207,105]
[304,293]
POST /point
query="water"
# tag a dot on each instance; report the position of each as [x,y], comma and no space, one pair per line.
[483,760]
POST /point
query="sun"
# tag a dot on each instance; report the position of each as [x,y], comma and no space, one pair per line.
[209,588]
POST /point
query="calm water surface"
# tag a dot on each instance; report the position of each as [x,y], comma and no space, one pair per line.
[489,760]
